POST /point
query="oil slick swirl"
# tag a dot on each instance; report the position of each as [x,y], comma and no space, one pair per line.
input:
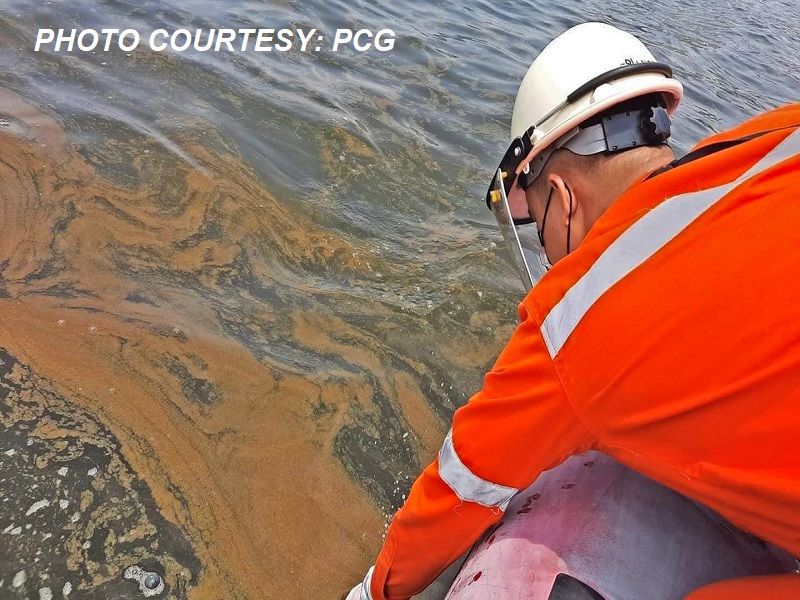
[252,413]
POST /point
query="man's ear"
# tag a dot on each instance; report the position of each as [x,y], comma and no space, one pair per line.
[564,197]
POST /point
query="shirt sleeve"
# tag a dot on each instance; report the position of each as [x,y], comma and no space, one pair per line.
[518,425]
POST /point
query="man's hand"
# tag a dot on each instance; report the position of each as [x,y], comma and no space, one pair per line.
[361,591]
[355,593]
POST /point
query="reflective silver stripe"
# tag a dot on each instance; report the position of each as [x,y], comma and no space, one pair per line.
[641,241]
[468,486]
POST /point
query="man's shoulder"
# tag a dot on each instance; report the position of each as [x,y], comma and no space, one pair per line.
[778,118]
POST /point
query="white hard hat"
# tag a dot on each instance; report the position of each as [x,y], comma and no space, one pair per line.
[585,71]
[582,74]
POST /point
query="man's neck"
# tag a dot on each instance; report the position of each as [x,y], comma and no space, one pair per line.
[626,169]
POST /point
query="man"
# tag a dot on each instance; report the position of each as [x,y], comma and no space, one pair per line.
[667,333]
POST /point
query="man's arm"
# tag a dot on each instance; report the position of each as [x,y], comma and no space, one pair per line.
[518,425]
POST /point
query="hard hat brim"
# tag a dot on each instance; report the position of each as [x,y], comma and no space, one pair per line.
[600,99]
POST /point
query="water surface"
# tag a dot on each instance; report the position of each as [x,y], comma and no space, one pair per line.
[250,289]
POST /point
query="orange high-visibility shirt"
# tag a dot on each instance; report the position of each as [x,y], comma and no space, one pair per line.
[669,340]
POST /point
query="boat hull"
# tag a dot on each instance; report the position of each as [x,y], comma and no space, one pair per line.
[622,535]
